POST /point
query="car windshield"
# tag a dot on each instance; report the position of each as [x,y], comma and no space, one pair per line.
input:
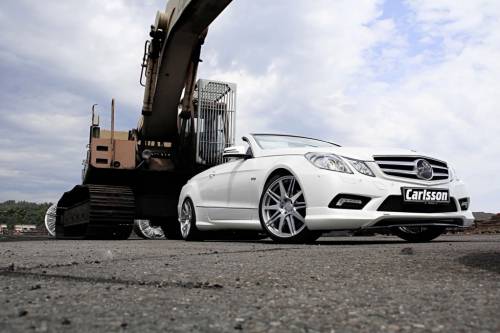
[269,141]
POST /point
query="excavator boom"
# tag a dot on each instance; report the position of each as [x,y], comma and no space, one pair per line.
[180,30]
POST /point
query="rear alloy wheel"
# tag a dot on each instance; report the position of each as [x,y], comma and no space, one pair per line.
[418,234]
[50,220]
[146,230]
[187,221]
[283,211]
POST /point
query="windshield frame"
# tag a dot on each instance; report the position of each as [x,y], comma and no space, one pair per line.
[257,135]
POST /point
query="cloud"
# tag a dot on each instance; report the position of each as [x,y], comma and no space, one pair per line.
[93,43]
[315,50]
[417,74]
[448,103]
[64,57]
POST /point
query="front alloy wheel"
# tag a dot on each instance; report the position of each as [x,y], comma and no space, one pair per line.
[283,210]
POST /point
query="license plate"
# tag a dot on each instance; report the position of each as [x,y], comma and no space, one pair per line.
[426,195]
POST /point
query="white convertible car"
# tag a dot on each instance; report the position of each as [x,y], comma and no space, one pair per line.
[296,188]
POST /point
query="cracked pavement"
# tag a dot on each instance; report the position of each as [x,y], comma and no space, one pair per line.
[359,284]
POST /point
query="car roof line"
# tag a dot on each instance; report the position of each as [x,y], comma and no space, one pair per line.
[295,136]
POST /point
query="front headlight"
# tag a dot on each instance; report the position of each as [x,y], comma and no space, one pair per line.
[328,161]
[360,167]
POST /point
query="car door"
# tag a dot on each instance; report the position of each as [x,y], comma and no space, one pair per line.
[211,189]
[216,191]
[234,188]
[243,190]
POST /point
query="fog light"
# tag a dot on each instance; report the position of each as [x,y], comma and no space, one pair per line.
[464,203]
[349,201]
[343,201]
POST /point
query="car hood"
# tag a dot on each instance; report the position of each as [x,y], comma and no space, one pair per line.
[359,153]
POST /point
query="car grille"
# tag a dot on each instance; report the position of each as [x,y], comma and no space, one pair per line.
[395,203]
[404,166]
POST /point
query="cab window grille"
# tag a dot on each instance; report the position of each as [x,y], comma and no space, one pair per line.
[215,123]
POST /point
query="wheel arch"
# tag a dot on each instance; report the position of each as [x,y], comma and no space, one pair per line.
[281,169]
[189,191]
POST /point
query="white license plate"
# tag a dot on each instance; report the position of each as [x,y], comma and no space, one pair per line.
[425,195]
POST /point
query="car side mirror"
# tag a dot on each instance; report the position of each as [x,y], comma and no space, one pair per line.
[235,152]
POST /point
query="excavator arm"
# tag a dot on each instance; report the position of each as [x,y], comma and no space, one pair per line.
[171,64]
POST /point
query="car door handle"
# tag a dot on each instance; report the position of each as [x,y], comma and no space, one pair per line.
[212,175]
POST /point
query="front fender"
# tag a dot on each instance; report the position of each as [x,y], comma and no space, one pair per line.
[295,165]
[190,190]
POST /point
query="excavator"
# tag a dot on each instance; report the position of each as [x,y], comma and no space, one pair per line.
[184,126]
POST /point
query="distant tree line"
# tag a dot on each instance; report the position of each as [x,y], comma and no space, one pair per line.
[22,212]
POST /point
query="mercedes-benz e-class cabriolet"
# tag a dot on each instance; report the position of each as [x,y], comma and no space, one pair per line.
[296,188]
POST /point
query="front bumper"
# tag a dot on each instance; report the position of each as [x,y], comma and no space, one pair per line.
[321,186]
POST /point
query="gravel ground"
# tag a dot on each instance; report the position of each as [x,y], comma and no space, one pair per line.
[336,285]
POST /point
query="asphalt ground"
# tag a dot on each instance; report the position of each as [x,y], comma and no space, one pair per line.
[364,284]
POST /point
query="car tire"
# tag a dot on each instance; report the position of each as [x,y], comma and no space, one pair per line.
[146,230]
[50,220]
[187,222]
[282,214]
[420,235]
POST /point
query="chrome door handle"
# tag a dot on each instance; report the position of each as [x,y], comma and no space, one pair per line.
[212,175]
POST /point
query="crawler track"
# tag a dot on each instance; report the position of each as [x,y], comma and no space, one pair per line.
[96,212]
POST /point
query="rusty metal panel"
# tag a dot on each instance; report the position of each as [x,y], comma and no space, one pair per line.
[102,154]
[125,154]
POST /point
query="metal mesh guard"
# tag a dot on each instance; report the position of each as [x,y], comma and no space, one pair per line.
[215,123]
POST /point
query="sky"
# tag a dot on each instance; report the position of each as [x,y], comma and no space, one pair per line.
[418,74]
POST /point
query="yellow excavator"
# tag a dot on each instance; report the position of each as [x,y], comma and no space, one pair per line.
[183,129]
